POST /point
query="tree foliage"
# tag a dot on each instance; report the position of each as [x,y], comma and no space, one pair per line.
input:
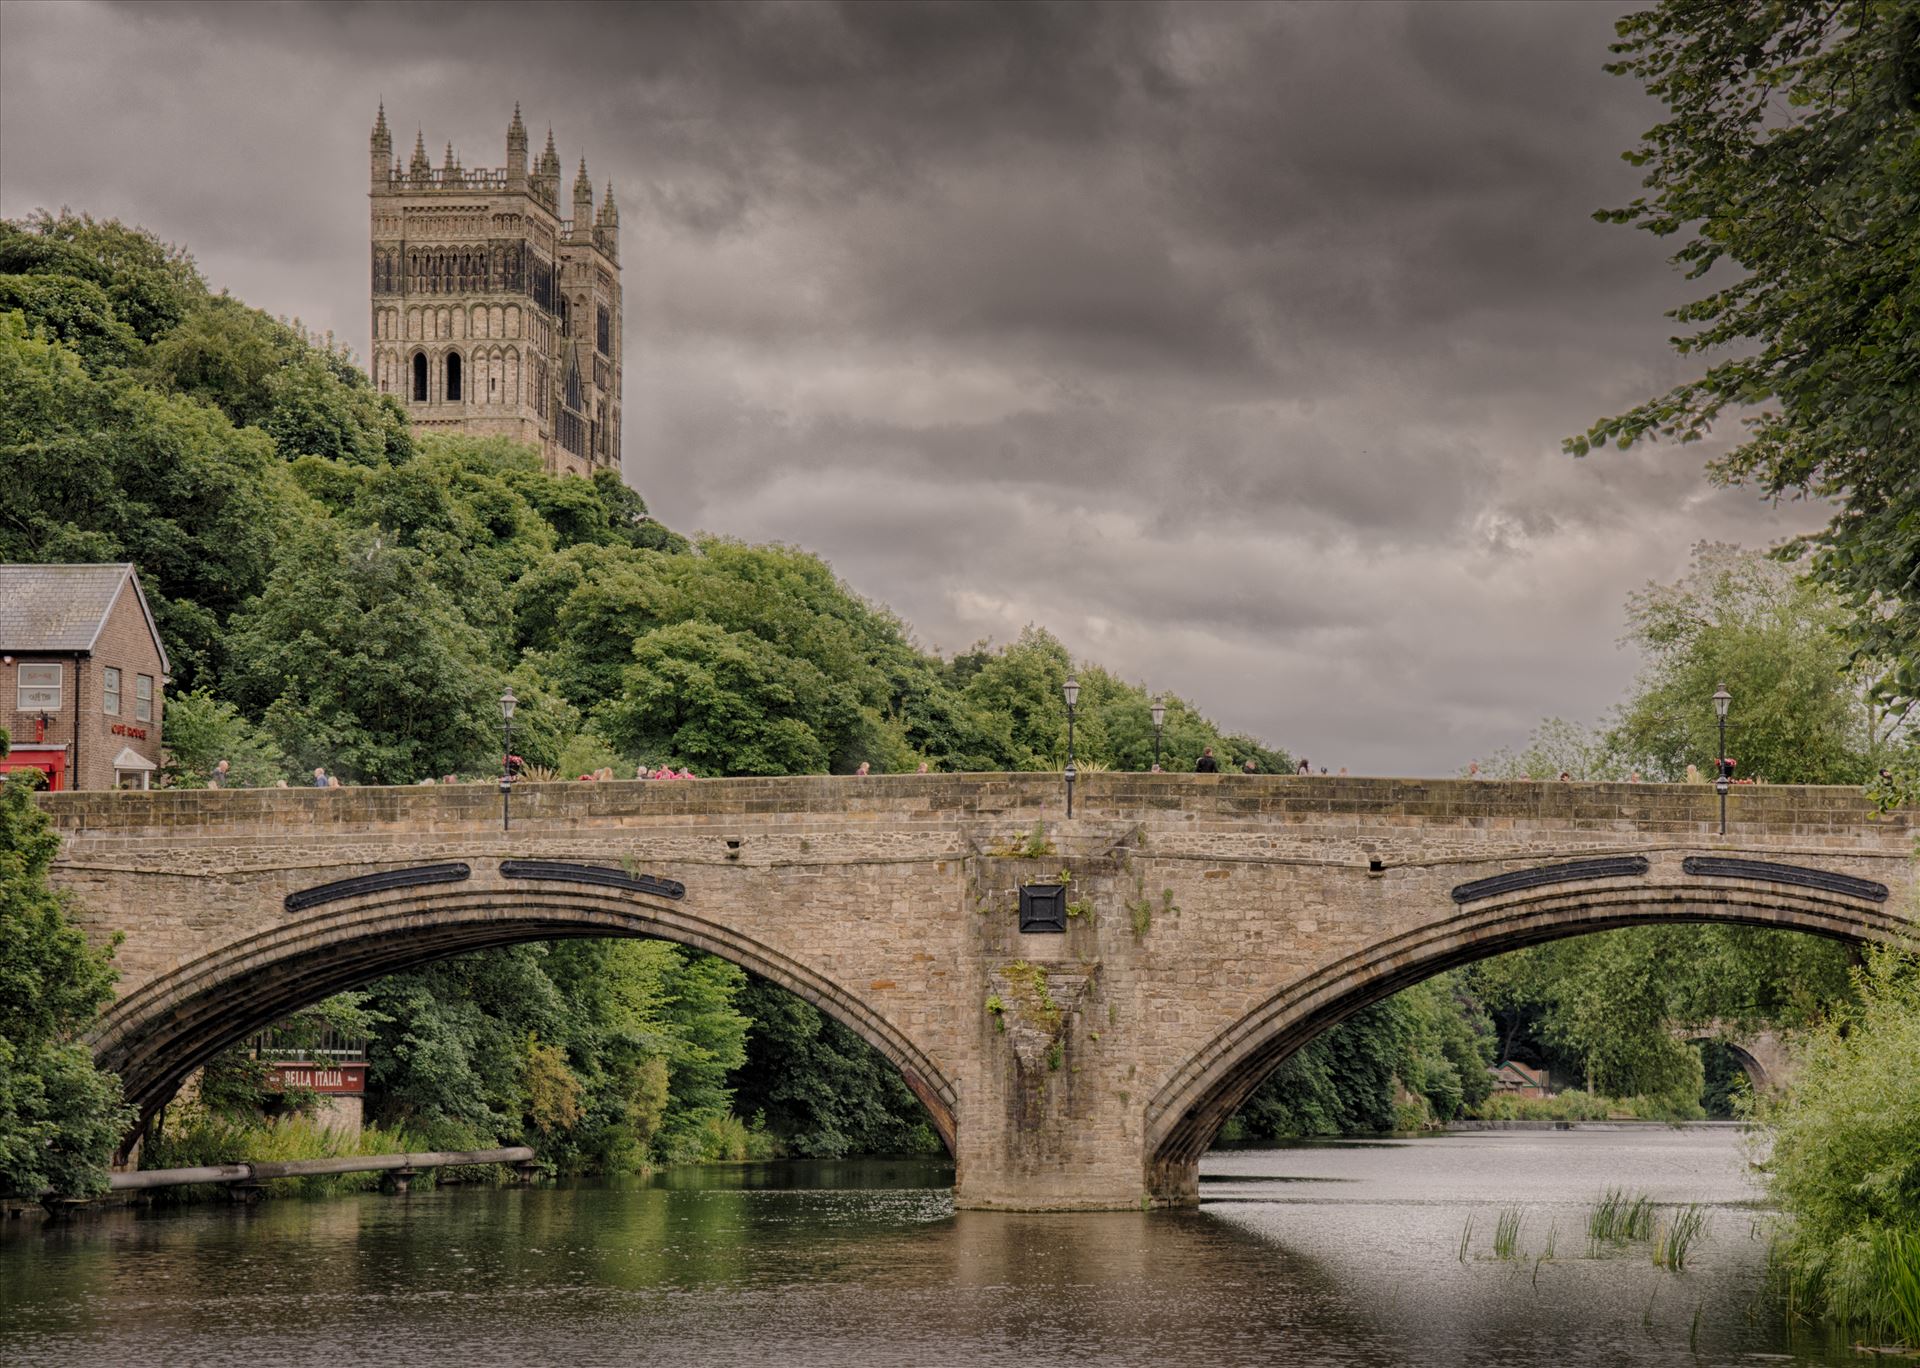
[1846,1158]
[1419,1057]
[1789,167]
[60,1117]
[1802,712]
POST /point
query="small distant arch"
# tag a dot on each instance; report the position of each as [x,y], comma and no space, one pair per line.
[419,377]
[453,376]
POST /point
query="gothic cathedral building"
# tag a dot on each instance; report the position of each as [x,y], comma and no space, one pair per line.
[492,314]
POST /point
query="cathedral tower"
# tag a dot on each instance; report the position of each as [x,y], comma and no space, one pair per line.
[492,314]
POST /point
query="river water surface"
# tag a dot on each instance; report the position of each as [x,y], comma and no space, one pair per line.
[1341,1253]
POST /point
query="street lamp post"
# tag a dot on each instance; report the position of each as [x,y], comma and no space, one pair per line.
[507,703]
[1159,720]
[1721,782]
[1072,691]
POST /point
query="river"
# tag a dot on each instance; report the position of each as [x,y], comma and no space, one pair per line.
[1339,1253]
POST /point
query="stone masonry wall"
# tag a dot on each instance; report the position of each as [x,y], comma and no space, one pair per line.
[1219,920]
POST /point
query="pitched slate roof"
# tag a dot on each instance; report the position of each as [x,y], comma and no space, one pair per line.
[63,607]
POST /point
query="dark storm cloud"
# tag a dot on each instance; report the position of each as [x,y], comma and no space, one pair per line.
[1233,342]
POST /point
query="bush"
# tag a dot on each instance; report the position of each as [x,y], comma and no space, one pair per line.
[60,1116]
[1846,1159]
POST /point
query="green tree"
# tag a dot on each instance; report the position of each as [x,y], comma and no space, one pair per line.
[1557,747]
[1603,1008]
[726,703]
[104,469]
[356,661]
[60,1116]
[150,285]
[203,730]
[821,1090]
[1801,712]
[1790,159]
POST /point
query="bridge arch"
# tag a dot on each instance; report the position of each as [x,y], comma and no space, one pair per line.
[173,1024]
[1188,1111]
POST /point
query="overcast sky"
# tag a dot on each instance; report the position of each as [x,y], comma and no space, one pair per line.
[1234,344]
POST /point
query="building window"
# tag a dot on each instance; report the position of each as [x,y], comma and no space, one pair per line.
[419,377]
[605,328]
[453,376]
[37,687]
[110,692]
[143,698]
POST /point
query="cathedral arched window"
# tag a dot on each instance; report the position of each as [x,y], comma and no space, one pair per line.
[453,376]
[419,377]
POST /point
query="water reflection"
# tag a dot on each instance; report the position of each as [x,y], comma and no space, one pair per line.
[1315,1255]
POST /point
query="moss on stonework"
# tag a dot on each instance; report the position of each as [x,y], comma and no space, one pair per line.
[1028,982]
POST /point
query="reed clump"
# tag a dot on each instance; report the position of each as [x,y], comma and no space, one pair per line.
[1620,1218]
[1506,1233]
[1673,1239]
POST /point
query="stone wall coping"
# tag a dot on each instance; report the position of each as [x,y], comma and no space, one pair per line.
[913,799]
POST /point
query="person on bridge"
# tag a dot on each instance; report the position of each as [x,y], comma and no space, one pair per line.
[1305,767]
[1206,764]
[218,779]
[1249,767]
[320,776]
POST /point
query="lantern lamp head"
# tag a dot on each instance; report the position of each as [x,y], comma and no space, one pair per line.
[1072,690]
[1159,711]
[507,704]
[1721,698]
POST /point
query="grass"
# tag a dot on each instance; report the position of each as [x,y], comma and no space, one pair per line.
[1506,1233]
[197,1138]
[1618,1218]
[1575,1105]
[1673,1239]
[1869,1282]
[1466,1238]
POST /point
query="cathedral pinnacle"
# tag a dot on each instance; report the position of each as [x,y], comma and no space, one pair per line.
[583,183]
[420,166]
[516,129]
[380,134]
[550,161]
[450,162]
[609,214]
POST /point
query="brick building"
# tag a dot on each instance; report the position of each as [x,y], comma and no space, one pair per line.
[82,674]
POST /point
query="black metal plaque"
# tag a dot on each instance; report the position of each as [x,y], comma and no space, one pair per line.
[565,872]
[1613,867]
[1717,867]
[385,881]
[1043,908]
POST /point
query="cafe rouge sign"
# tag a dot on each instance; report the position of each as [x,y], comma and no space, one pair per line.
[320,1078]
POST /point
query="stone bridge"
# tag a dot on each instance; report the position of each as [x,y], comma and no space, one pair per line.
[1762,1055]
[1211,926]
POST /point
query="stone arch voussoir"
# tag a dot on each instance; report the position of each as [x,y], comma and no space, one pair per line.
[1188,1111]
[160,1033]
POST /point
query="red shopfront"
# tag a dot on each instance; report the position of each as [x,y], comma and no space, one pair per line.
[50,761]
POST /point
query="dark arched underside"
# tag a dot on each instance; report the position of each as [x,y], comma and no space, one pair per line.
[155,1037]
[1189,1111]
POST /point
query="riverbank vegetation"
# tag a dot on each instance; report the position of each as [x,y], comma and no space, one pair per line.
[1845,1160]
[60,1116]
